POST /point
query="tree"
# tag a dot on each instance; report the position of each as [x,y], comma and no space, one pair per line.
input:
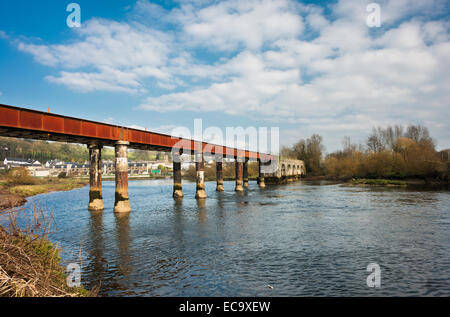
[310,151]
[375,141]
[418,133]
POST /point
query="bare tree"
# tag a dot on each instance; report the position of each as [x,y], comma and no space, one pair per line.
[375,141]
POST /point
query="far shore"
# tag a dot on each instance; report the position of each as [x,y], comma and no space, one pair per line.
[16,195]
[381,182]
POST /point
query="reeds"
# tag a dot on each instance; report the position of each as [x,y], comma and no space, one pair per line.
[29,262]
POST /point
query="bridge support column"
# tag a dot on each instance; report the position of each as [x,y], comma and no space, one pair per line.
[219,174]
[122,203]
[245,173]
[200,167]
[261,180]
[95,178]
[177,181]
[239,164]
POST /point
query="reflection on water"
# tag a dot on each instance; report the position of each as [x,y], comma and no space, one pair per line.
[301,238]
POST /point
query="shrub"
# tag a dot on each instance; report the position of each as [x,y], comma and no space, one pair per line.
[19,176]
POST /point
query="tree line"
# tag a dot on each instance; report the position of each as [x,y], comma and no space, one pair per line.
[393,152]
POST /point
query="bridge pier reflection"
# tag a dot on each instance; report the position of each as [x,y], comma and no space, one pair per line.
[123,239]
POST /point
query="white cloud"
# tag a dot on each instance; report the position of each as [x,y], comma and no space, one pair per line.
[121,55]
[3,35]
[279,61]
[230,24]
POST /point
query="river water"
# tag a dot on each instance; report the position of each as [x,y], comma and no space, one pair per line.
[299,239]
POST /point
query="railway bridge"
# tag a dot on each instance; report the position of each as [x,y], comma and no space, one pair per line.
[31,124]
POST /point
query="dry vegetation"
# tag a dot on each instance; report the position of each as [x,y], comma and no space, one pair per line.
[389,153]
[17,184]
[29,262]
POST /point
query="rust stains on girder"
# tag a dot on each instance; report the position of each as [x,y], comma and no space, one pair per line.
[27,123]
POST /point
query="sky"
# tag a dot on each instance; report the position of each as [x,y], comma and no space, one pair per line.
[303,66]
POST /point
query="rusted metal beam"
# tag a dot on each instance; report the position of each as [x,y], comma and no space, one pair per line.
[26,123]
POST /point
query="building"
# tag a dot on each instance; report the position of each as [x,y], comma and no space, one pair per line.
[40,172]
[19,162]
[52,163]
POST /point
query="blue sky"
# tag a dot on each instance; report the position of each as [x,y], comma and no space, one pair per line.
[306,67]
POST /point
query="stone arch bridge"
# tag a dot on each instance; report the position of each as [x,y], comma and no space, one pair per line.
[286,170]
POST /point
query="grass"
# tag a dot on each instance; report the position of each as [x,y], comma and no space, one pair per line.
[47,186]
[16,185]
[30,265]
[378,182]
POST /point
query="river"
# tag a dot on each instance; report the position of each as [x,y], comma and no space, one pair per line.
[299,239]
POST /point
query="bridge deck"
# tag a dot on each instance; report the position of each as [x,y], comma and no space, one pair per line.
[32,124]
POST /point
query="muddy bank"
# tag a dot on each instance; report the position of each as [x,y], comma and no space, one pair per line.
[8,200]
[16,195]
[363,182]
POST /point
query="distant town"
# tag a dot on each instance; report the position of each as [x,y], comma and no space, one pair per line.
[58,168]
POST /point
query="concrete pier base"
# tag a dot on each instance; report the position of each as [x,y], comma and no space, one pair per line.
[239,183]
[177,181]
[219,175]
[245,173]
[261,180]
[95,178]
[122,201]
[200,168]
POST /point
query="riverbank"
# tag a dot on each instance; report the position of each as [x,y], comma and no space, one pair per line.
[381,182]
[14,194]
[410,183]
[30,267]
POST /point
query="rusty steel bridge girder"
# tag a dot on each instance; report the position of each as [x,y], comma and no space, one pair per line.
[32,124]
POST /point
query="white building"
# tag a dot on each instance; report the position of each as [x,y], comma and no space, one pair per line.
[19,162]
[40,172]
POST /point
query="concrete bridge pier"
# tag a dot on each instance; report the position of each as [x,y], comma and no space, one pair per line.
[239,173]
[245,172]
[261,180]
[95,178]
[200,167]
[122,201]
[177,180]
[219,174]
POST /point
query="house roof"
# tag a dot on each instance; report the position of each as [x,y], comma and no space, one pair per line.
[16,159]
